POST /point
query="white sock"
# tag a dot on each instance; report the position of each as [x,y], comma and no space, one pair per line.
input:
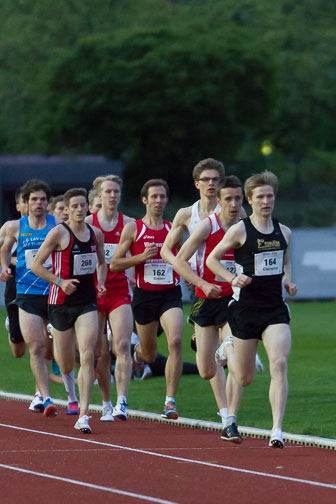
[169,398]
[223,413]
[69,384]
[107,404]
[121,399]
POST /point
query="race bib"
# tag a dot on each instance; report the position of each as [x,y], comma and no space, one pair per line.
[85,264]
[109,249]
[230,265]
[268,263]
[158,273]
[30,255]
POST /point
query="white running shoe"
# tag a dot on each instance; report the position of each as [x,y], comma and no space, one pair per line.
[82,424]
[37,404]
[220,355]
[276,440]
[7,324]
[147,372]
[259,364]
[107,414]
[120,411]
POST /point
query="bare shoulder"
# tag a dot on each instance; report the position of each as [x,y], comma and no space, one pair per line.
[127,219]
[11,228]
[99,234]
[182,217]
[286,232]
[89,219]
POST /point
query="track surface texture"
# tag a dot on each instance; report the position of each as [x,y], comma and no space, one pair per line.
[47,460]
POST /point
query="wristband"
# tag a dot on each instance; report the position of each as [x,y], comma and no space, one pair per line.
[59,282]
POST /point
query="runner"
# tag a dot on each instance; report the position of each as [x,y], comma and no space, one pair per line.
[157,295]
[29,233]
[209,312]
[257,311]
[116,305]
[76,249]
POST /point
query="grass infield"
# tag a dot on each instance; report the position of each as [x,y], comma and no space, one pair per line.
[311,370]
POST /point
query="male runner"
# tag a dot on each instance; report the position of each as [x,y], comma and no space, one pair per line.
[116,305]
[209,312]
[257,311]
[157,295]
[32,293]
[76,249]
[57,207]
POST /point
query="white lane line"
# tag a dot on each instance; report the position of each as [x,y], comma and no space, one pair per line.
[180,459]
[90,485]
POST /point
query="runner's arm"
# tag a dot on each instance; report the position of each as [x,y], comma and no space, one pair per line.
[119,262]
[287,278]
[182,266]
[233,238]
[174,237]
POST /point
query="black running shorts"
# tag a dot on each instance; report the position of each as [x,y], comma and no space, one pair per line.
[210,312]
[249,322]
[35,304]
[148,306]
[15,334]
[63,317]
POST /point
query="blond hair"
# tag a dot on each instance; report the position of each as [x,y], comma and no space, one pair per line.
[98,182]
[260,179]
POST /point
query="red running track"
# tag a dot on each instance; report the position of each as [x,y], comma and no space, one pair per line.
[47,460]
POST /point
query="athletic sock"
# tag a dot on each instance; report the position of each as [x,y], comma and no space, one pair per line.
[69,384]
[223,413]
[231,419]
[169,399]
[121,399]
[107,404]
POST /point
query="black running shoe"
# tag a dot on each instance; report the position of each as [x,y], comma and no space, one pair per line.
[193,343]
[231,433]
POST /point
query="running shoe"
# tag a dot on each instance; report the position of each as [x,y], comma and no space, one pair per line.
[107,414]
[220,355]
[170,411]
[276,440]
[120,411]
[82,424]
[259,364]
[7,324]
[37,404]
[147,372]
[72,408]
[49,408]
[55,368]
[231,433]
[137,368]
[193,343]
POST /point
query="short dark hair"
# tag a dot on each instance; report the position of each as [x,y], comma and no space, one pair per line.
[230,181]
[35,185]
[71,193]
[18,194]
[151,183]
[55,200]
[208,164]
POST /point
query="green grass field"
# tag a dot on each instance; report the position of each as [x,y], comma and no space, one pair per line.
[311,373]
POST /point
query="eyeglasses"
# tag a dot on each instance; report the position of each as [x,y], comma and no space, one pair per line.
[207,179]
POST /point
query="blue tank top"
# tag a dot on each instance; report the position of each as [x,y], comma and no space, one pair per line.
[29,241]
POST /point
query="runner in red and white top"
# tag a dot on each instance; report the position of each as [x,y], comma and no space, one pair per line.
[157,295]
[116,305]
[209,312]
[76,248]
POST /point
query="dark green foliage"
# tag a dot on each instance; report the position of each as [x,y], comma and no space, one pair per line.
[163,84]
